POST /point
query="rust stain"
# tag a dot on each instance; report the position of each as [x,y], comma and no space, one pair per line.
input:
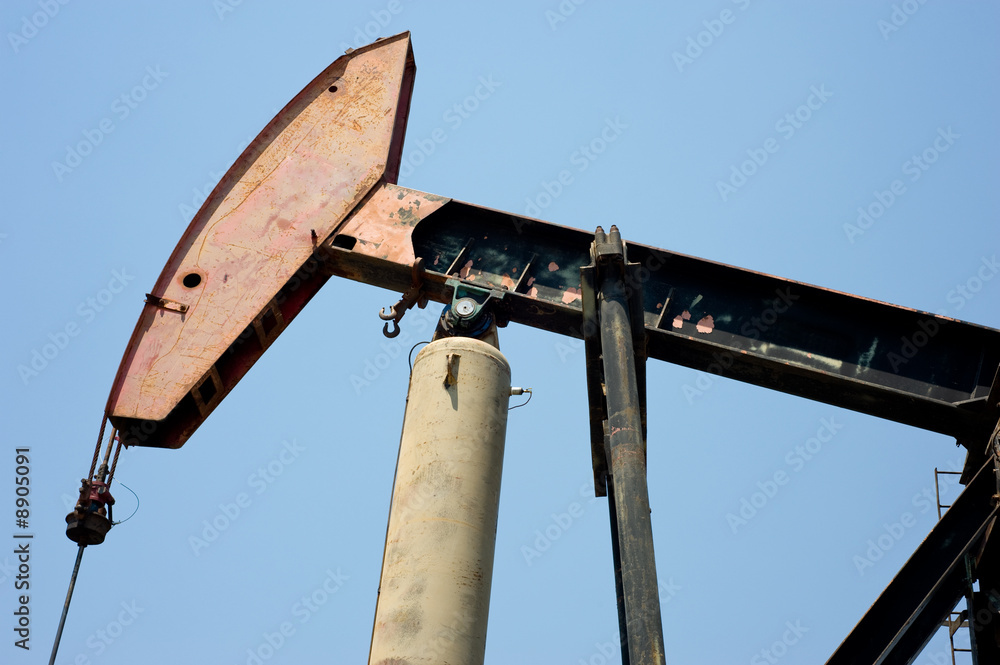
[317,159]
[681,318]
[506,282]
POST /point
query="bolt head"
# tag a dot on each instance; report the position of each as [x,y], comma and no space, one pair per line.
[465,307]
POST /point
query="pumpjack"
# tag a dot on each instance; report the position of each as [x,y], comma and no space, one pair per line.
[314,196]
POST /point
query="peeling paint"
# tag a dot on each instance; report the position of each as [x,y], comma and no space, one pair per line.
[553,266]
[408,216]
[315,184]
[531,280]
[571,294]
[464,272]
[681,318]
[533,292]
[507,283]
[706,324]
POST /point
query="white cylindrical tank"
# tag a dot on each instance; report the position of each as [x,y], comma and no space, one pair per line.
[434,594]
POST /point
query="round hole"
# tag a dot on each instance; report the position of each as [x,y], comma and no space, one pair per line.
[191,280]
[333,88]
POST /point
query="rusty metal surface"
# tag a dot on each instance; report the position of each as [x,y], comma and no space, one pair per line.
[306,171]
[905,365]
[313,197]
[893,362]
[383,226]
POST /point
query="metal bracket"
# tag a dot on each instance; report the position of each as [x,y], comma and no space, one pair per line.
[412,296]
[608,250]
[166,303]
[472,310]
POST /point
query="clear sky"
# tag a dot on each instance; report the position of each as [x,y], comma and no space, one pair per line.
[162,97]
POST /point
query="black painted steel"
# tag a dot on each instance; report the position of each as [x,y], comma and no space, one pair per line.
[927,587]
[626,452]
[893,362]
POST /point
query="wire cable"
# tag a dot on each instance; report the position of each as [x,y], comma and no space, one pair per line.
[114,463]
[518,406]
[97,449]
[409,357]
[136,504]
[69,596]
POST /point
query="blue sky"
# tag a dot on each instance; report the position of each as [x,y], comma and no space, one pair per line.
[884,107]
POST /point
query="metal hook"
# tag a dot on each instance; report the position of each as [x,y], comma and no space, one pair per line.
[391,316]
[390,332]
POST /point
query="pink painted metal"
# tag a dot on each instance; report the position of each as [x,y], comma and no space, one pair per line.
[383,226]
[314,163]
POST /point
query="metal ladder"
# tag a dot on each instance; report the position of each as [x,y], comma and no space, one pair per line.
[956,620]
